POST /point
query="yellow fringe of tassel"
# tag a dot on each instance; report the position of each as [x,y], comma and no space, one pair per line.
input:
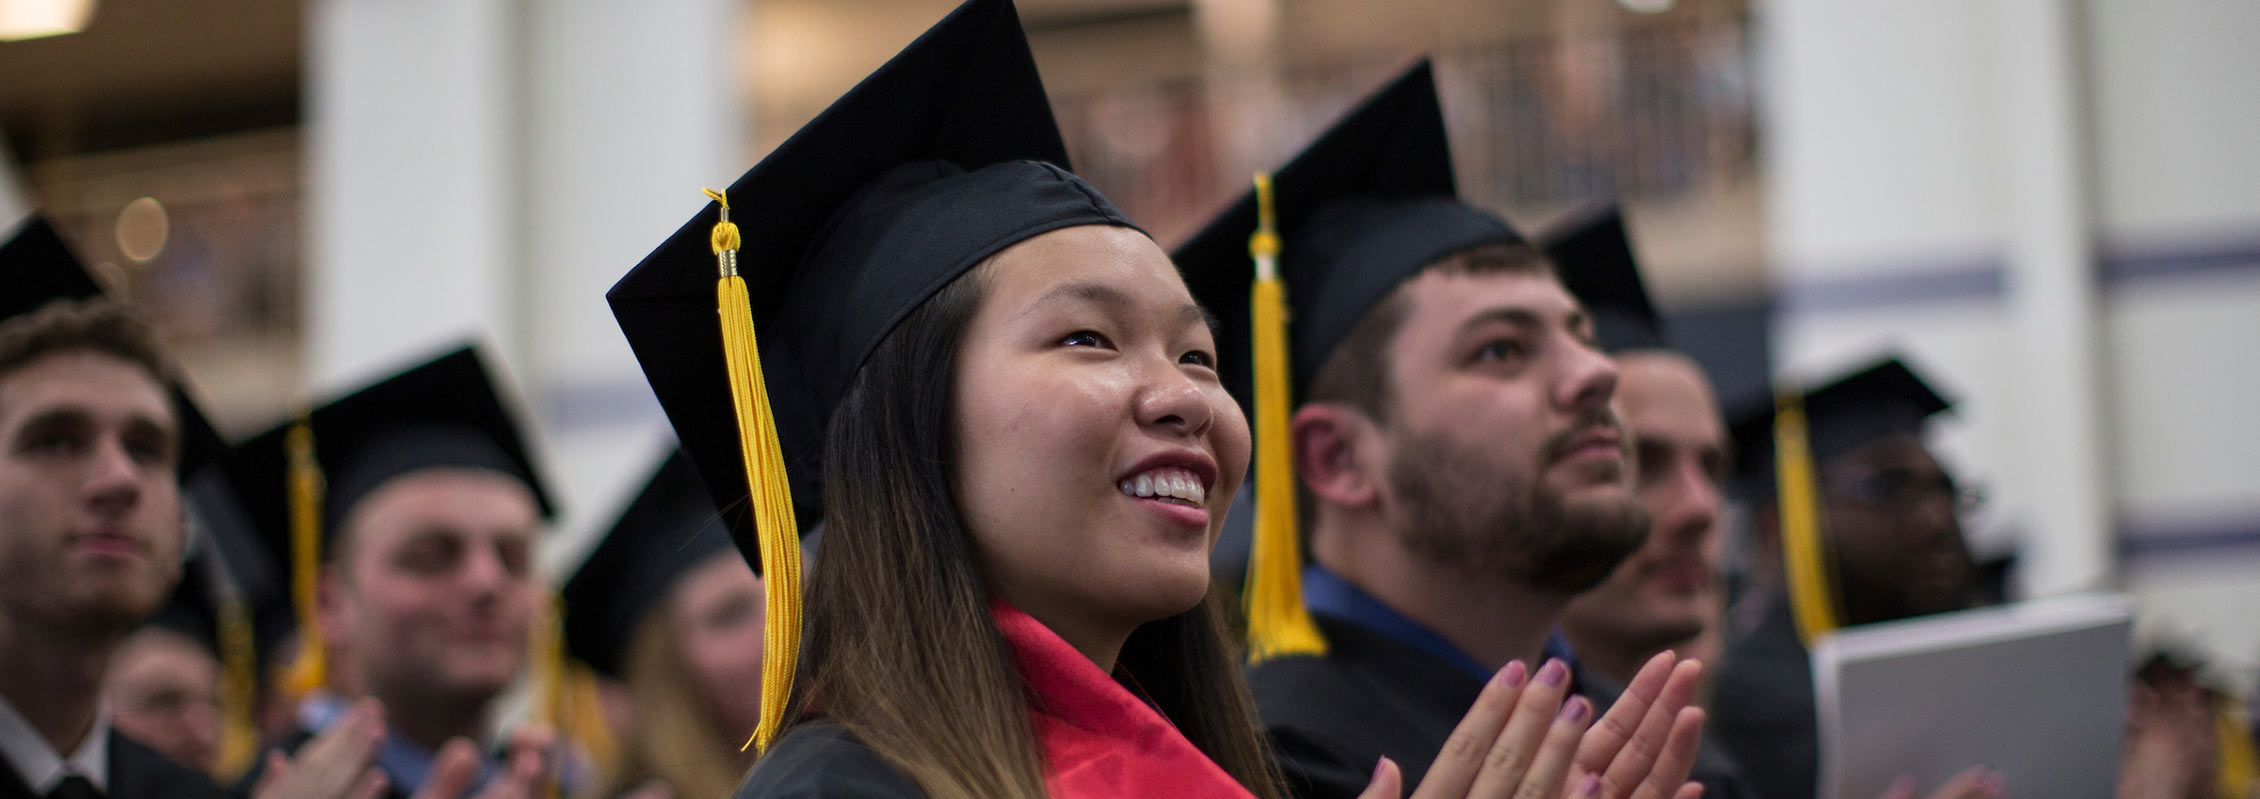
[239,687]
[548,647]
[770,490]
[309,671]
[1278,623]
[1812,596]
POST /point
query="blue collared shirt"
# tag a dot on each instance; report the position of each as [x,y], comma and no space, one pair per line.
[1330,595]
[404,763]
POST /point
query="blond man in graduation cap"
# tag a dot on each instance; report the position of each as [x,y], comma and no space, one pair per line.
[407,513]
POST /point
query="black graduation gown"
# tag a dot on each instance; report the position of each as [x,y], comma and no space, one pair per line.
[821,759]
[1331,719]
[1764,714]
[136,772]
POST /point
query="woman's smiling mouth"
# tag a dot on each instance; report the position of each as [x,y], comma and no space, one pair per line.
[1168,484]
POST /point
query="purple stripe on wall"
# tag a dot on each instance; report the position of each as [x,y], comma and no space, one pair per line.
[581,405]
[2125,263]
[2141,539]
[1978,281]
[1984,280]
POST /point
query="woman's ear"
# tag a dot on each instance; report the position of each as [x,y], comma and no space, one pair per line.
[1335,455]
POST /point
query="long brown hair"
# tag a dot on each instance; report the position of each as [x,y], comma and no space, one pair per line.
[900,646]
[676,738]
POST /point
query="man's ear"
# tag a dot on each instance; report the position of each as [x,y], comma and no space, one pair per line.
[1336,455]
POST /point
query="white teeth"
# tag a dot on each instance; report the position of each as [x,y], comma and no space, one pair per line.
[1167,483]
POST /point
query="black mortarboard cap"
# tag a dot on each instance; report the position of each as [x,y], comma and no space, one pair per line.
[943,157]
[1593,256]
[667,529]
[1367,205]
[1878,401]
[36,268]
[445,412]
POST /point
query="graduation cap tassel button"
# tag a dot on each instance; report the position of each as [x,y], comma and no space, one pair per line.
[725,237]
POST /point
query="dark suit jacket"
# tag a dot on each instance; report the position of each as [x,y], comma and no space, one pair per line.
[136,772]
[1763,712]
[1330,719]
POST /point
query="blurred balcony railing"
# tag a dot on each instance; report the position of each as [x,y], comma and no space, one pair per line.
[1654,112]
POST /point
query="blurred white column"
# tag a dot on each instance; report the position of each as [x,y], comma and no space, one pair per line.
[1927,194]
[2049,249]
[490,168]
[629,108]
[412,166]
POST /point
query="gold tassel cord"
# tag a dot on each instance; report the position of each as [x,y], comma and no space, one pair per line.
[1812,596]
[1278,623]
[239,686]
[309,672]
[767,485]
[549,673]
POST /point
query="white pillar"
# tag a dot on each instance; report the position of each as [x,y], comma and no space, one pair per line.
[2050,276]
[412,117]
[490,168]
[630,108]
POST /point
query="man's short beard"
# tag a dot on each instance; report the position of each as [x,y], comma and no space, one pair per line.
[1461,509]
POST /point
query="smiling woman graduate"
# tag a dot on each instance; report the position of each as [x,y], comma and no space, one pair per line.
[1002,401]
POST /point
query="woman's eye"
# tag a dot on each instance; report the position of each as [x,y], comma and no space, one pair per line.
[1085,338]
[1199,358]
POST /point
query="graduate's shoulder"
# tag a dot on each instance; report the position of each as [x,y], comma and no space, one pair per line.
[824,759]
[139,771]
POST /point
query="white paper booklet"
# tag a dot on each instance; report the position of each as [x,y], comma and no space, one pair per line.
[2036,690]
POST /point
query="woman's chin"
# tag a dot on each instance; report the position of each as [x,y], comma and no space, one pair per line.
[1163,594]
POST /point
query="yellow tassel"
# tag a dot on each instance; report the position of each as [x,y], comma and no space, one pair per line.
[1812,596]
[1278,623]
[549,673]
[309,672]
[768,487]
[584,720]
[239,687]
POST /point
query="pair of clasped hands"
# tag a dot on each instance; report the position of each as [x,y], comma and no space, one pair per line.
[340,764]
[1529,739]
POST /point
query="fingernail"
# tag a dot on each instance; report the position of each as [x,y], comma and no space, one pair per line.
[1378,767]
[1513,675]
[1591,786]
[1553,672]
[1576,709]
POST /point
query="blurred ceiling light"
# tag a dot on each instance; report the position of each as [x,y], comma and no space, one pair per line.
[1647,6]
[142,229]
[32,19]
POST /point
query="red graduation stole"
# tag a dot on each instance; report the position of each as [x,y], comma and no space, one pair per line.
[1099,739]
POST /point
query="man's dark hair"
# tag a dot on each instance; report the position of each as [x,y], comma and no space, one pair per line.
[94,325]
